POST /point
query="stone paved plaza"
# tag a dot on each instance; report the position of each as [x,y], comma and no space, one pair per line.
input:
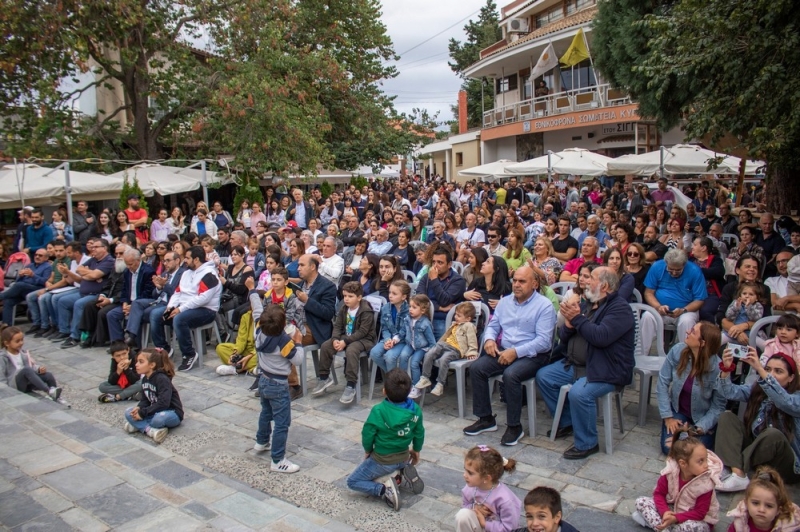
[63,469]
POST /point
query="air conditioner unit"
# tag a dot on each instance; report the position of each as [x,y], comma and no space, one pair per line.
[518,25]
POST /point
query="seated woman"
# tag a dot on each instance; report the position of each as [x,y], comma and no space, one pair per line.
[613,259]
[634,263]
[544,261]
[747,271]
[770,433]
[297,248]
[475,259]
[402,251]
[234,290]
[713,271]
[747,246]
[367,273]
[491,284]
[687,386]
[516,255]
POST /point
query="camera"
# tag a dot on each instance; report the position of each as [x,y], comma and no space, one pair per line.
[236,360]
[738,351]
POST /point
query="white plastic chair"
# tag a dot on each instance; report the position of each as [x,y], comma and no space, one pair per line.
[647,367]
[561,288]
[199,341]
[457,267]
[760,324]
[729,238]
[409,276]
[363,358]
[530,392]
[604,403]
[637,296]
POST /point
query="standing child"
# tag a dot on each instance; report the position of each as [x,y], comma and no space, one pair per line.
[353,333]
[766,505]
[160,408]
[276,355]
[543,512]
[461,341]
[486,503]
[19,369]
[684,499]
[392,425]
[419,337]
[744,310]
[392,321]
[123,380]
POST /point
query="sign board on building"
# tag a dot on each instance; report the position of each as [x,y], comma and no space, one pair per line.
[526,126]
[616,129]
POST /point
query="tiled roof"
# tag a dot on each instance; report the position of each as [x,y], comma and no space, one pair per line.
[577,19]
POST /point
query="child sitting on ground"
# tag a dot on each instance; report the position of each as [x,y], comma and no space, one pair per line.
[486,503]
[160,408]
[392,425]
[276,355]
[19,370]
[353,333]
[543,512]
[692,472]
[743,311]
[123,382]
[766,505]
[460,341]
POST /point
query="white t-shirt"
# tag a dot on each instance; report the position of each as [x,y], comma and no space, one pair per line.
[778,285]
[474,237]
[16,360]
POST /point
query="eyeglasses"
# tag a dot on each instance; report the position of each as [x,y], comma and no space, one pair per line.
[632,254]
[492,236]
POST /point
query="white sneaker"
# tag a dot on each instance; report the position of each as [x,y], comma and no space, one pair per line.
[158,435]
[261,448]
[415,393]
[130,429]
[284,466]
[639,519]
[734,483]
[391,496]
[54,393]
[438,389]
[423,383]
[226,370]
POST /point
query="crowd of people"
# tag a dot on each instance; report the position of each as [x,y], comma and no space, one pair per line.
[402,272]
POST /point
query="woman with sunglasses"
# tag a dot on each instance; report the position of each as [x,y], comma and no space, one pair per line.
[634,263]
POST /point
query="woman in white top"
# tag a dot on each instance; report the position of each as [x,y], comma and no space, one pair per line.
[243,215]
[177,222]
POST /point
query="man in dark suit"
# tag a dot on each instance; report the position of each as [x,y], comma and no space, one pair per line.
[352,233]
[300,211]
[143,309]
[318,296]
[137,283]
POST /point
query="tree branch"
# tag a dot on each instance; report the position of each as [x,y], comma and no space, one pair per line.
[106,65]
[99,125]
[83,89]
[200,14]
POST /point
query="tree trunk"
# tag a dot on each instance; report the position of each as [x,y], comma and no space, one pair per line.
[783,181]
[146,145]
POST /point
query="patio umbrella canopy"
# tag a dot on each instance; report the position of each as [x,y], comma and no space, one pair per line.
[680,159]
[168,180]
[575,161]
[489,171]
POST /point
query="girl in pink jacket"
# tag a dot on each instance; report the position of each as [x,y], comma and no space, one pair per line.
[787,339]
[766,506]
[684,498]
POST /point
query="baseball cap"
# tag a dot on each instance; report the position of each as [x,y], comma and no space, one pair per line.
[133,196]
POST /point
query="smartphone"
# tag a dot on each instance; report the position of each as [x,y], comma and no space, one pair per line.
[738,350]
[295,287]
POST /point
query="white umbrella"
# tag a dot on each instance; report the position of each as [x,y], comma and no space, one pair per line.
[575,161]
[168,180]
[488,171]
[680,159]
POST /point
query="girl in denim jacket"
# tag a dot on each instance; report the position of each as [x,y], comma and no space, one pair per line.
[419,338]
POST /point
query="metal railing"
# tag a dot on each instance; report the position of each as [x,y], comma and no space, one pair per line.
[585,98]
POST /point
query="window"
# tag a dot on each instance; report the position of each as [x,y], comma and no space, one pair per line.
[551,15]
[526,91]
[506,84]
[577,5]
[582,76]
[459,158]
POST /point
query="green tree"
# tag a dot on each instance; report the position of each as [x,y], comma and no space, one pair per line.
[131,187]
[720,74]
[481,33]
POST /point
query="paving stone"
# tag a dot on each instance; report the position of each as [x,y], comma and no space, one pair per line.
[8,471]
[253,513]
[85,431]
[45,523]
[224,522]
[37,463]
[174,474]
[119,505]
[51,500]
[167,518]
[40,407]
[441,478]
[139,459]
[21,442]
[17,508]
[588,519]
[6,485]
[201,511]
[587,497]
[81,520]
[207,491]
[78,481]
[115,445]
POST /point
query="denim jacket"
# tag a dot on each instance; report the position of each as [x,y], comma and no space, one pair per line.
[789,403]
[389,328]
[707,401]
[423,333]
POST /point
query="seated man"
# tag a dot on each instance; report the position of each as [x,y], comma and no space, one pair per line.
[195,302]
[653,248]
[779,284]
[439,234]
[54,281]
[153,312]
[381,245]
[331,265]
[526,319]
[589,249]
[443,286]
[137,285]
[31,279]
[601,359]
[48,302]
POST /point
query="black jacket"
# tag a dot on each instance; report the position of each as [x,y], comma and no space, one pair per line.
[159,394]
[320,308]
[350,239]
[130,373]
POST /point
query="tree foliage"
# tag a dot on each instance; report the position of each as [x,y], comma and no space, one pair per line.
[481,34]
[288,85]
[722,68]
[131,187]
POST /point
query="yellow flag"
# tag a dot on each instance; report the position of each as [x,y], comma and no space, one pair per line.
[577,51]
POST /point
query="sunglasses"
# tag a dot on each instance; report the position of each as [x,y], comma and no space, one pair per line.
[634,255]
[492,236]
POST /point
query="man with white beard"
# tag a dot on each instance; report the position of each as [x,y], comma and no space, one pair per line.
[600,339]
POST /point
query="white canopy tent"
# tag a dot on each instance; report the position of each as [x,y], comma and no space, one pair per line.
[680,159]
[168,180]
[489,171]
[575,161]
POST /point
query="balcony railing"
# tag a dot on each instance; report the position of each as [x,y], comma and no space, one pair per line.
[583,99]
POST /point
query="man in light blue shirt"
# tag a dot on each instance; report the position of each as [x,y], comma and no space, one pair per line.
[517,343]
[381,245]
[593,229]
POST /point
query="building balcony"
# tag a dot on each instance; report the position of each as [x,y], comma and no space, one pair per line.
[584,99]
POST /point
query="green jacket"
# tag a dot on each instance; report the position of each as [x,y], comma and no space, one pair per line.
[391,427]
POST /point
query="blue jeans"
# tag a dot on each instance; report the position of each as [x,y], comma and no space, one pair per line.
[66,305]
[138,314]
[185,321]
[55,299]
[362,479]
[156,320]
[438,328]
[276,406]
[32,300]
[707,439]
[386,360]
[14,295]
[580,409]
[412,357]
[165,418]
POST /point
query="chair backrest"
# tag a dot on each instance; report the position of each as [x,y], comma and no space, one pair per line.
[561,288]
[638,311]
[765,322]
[729,238]
[376,302]
[481,310]
[409,276]
[637,296]
[458,267]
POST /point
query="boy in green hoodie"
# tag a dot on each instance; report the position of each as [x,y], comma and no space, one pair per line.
[392,425]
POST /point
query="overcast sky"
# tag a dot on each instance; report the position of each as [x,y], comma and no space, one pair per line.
[425,79]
